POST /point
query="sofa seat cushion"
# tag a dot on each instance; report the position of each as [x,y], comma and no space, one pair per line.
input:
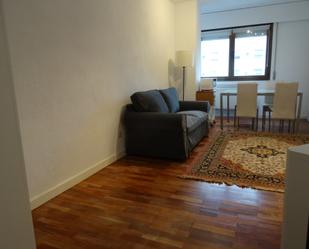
[171,98]
[194,119]
[149,101]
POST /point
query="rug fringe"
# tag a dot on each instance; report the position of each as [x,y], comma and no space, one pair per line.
[229,183]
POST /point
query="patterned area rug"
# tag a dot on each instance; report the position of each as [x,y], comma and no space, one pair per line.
[255,160]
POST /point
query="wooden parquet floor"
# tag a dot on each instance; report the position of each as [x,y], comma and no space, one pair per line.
[140,203]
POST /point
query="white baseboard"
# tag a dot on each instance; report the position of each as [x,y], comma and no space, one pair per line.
[40,199]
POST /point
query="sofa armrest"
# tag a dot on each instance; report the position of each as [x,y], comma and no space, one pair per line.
[194,106]
[156,134]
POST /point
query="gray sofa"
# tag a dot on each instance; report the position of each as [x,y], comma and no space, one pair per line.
[159,125]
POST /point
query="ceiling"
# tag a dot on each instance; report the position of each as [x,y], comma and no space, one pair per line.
[210,6]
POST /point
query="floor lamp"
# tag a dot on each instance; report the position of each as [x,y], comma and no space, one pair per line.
[184,59]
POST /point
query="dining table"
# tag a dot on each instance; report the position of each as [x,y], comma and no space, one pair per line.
[227,93]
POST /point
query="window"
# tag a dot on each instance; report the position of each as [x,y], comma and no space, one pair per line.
[240,53]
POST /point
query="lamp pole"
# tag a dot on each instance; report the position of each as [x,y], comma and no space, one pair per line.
[184,59]
[183,82]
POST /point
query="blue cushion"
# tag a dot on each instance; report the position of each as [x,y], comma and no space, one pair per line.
[171,98]
[149,101]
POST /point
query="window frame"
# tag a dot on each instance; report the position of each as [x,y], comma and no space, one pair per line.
[231,76]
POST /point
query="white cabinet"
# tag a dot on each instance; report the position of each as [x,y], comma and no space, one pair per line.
[296,201]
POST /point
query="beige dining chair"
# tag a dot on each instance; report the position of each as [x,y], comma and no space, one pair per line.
[246,103]
[284,106]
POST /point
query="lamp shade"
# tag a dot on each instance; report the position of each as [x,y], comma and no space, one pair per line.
[206,84]
[184,58]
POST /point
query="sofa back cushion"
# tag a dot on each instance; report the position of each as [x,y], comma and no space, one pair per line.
[171,98]
[149,101]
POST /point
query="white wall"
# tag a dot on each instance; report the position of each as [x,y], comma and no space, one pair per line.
[186,33]
[292,54]
[16,231]
[75,64]
[273,13]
